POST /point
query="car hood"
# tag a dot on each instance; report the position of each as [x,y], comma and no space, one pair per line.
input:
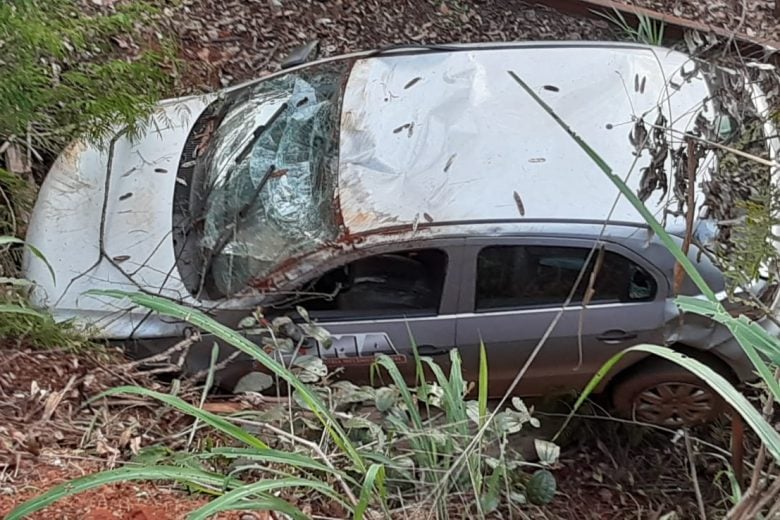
[103,219]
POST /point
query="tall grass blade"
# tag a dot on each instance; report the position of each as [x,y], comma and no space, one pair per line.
[183,475]
[10,308]
[233,499]
[398,379]
[6,240]
[200,320]
[269,503]
[272,456]
[483,383]
[374,481]
[209,418]
[751,337]
[726,390]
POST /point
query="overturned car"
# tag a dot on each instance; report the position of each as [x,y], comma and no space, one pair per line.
[412,192]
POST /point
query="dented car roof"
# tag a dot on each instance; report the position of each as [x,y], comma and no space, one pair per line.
[451,136]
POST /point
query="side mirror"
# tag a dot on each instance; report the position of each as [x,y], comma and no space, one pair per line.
[301,54]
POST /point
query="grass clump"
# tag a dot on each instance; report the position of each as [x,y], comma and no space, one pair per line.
[322,446]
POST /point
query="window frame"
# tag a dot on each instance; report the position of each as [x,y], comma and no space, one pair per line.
[448,301]
[468,300]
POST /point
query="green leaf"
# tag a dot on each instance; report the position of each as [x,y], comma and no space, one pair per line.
[4,240]
[234,499]
[10,308]
[272,456]
[389,365]
[489,500]
[211,419]
[385,398]
[188,476]
[726,390]
[268,503]
[253,382]
[483,383]
[375,480]
[312,368]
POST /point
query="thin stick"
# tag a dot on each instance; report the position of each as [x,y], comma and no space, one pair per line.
[694,477]
[738,446]
[206,388]
[163,356]
[750,497]
[679,272]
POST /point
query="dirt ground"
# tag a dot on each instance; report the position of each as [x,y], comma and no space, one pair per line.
[754,18]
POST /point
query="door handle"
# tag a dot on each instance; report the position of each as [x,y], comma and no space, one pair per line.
[431,350]
[613,337]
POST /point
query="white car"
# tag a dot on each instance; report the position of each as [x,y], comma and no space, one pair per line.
[417,189]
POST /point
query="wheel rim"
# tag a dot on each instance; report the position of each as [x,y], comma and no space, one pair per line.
[675,404]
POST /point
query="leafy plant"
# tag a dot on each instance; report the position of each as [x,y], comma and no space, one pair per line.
[407,452]
[236,494]
[490,473]
[66,77]
[63,77]
[648,30]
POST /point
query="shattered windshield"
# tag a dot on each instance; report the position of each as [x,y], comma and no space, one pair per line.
[269,177]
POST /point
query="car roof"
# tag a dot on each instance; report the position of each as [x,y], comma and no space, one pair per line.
[449,135]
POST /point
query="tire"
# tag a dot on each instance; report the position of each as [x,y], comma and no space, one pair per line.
[662,393]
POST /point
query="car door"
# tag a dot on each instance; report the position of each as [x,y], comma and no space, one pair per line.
[514,289]
[388,297]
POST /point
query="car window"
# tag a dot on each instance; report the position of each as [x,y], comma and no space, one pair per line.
[530,276]
[392,284]
[263,189]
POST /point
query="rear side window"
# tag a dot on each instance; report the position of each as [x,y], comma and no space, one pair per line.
[393,284]
[538,276]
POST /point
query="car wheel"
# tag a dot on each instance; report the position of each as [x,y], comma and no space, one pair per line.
[662,393]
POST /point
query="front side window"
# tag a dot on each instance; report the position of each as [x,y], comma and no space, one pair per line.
[393,284]
[538,276]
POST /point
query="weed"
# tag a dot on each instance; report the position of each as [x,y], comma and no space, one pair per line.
[24,324]
[648,30]
[404,455]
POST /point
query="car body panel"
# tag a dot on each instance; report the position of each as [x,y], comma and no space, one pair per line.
[115,197]
[449,137]
[572,353]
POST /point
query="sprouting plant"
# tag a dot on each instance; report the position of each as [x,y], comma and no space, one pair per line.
[648,30]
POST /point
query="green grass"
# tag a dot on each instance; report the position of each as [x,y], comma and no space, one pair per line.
[647,30]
